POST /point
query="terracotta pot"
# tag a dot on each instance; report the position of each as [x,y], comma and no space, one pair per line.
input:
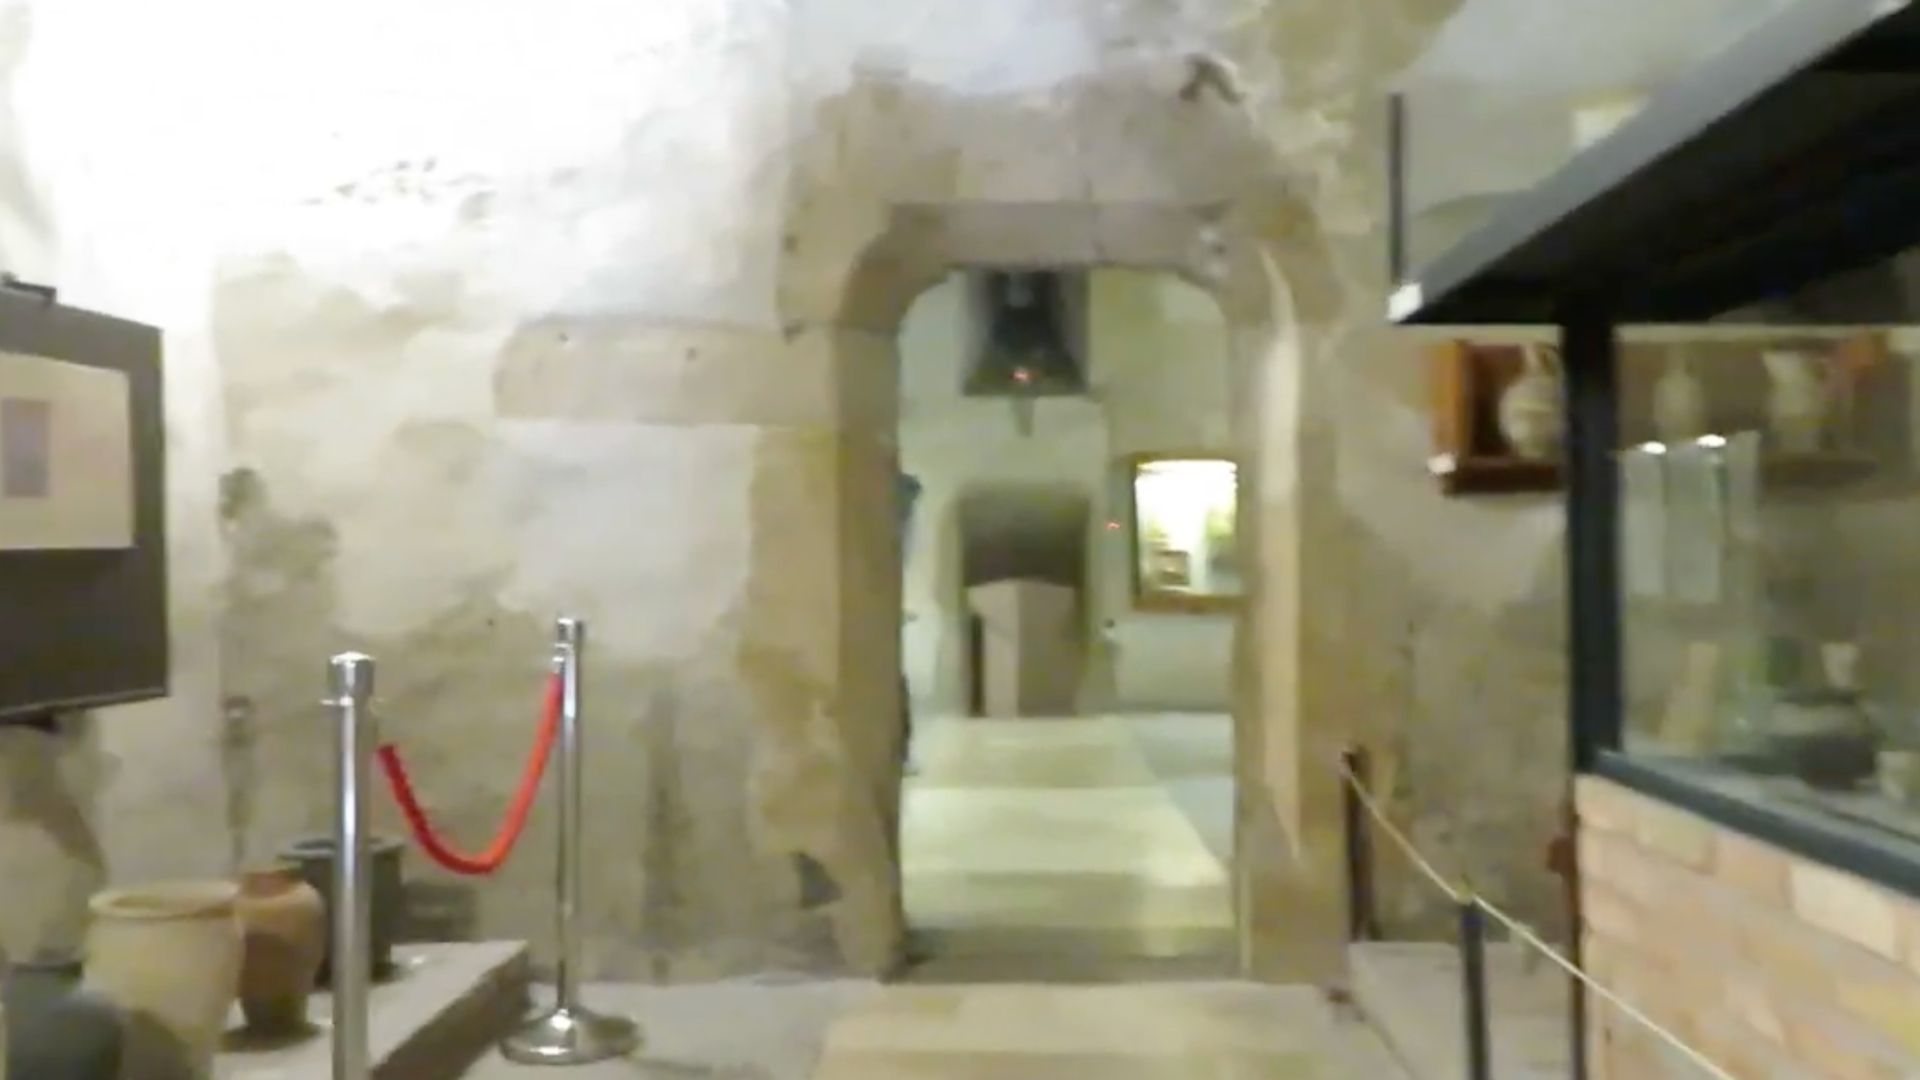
[169,956]
[58,1031]
[314,858]
[285,926]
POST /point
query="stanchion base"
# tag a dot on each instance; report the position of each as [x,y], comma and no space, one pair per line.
[571,1036]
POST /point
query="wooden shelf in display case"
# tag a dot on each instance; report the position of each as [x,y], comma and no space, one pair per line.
[1866,447]
[1470,455]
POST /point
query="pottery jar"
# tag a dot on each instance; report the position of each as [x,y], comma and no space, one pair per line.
[57,1031]
[168,955]
[284,923]
[1797,401]
[314,859]
[1529,415]
[1679,404]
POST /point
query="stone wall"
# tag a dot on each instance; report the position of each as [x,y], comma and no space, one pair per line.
[1770,964]
[585,307]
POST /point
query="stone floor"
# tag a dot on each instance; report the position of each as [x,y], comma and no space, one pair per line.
[1085,849]
[1411,992]
[850,1031]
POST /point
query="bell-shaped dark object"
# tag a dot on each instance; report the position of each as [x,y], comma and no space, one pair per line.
[1026,349]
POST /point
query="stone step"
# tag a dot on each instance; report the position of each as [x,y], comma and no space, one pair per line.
[440,1012]
[1411,991]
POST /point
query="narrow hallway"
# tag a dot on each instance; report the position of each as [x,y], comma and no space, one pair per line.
[1083,849]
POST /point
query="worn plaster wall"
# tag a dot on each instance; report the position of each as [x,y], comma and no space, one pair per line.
[476,315]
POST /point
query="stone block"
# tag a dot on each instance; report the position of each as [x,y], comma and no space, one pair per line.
[1608,915]
[1886,1003]
[1789,956]
[1847,907]
[1623,867]
[1757,869]
[1674,835]
[1910,925]
[1750,1000]
[1831,1052]
[1731,1046]
[1604,805]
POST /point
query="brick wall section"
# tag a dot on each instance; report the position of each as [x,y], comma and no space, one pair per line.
[1776,967]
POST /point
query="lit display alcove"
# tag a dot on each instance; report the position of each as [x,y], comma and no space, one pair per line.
[1185,555]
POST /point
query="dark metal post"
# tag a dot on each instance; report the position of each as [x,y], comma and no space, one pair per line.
[1473,985]
[1593,565]
[1593,530]
[1362,925]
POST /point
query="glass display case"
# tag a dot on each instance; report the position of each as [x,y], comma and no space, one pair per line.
[1738,533]
[1185,553]
[1770,582]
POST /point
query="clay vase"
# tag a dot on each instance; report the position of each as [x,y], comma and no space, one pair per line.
[284,924]
[57,1031]
[1679,404]
[169,956]
[1797,405]
[1530,419]
[314,859]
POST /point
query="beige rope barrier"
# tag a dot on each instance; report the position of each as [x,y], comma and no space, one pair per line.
[1463,894]
[1457,893]
[1526,936]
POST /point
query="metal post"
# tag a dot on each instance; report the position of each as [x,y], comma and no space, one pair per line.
[569,1033]
[1591,352]
[350,696]
[1473,978]
[1361,924]
[1593,529]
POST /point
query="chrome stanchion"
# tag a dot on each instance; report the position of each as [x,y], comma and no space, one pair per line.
[350,696]
[570,1033]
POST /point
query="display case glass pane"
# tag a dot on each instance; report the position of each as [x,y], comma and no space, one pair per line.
[1770,570]
[1510,91]
[1186,553]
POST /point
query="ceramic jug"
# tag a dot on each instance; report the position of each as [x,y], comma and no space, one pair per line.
[284,923]
[1797,405]
[169,956]
[1530,418]
[1679,403]
[313,857]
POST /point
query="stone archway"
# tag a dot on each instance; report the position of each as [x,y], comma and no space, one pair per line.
[876,218]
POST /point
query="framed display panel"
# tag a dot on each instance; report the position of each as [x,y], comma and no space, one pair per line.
[1185,549]
[83,619]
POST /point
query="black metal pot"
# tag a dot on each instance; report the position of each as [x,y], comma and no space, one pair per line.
[56,1030]
[1825,736]
[314,858]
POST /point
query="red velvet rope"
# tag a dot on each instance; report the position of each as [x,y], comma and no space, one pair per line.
[496,853]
